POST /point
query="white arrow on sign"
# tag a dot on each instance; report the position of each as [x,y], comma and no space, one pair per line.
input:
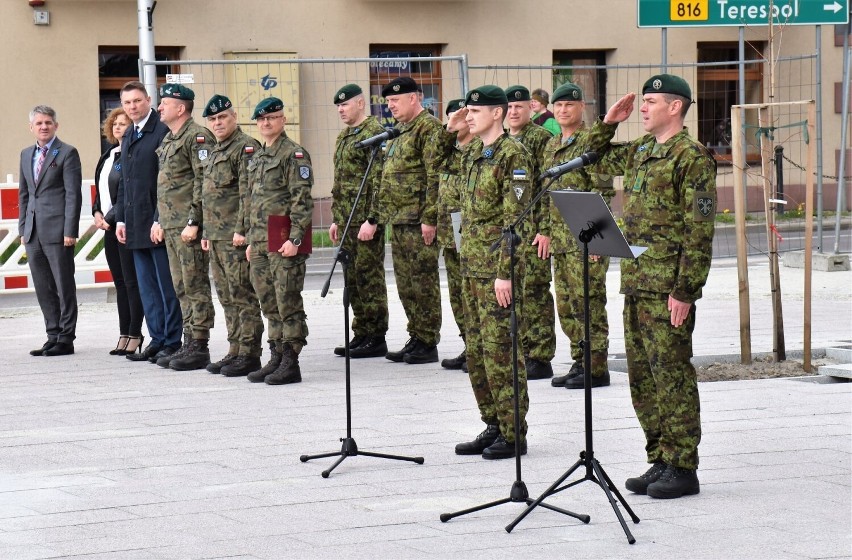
[835,7]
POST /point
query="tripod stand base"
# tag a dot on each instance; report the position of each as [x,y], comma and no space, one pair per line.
[594,473]
[350,449]
[518,494]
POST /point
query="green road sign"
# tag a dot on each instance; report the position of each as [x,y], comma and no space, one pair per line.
[712,13]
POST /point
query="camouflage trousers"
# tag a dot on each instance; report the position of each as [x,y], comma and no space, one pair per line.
[263,282]
[538,325]
[663,382]
[452,263]
[365,280]
[568,284]
[231,277]
[415,266]
[489,357]
[190,270]
[289,276]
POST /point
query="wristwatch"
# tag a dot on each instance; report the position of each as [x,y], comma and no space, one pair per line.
[372,221]
[191,222]
[297,241]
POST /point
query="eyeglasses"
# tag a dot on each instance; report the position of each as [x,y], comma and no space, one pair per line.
[269,118]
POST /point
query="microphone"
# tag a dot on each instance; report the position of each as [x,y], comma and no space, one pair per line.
[576,163]
[379,138]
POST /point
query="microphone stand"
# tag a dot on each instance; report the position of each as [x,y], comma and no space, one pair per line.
[594,471]
[349,448]
[518,492]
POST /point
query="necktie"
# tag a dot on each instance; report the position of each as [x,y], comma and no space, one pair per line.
[138,132]
[41,156]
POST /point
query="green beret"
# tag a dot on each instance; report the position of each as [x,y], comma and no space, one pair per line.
[216,105]
[266,106]
[176,91]
[400,85]
[486,95]
[517,93]
[667,83]
[454,105]
[567,92]
[346,93]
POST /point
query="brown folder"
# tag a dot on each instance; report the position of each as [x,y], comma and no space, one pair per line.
[278,230]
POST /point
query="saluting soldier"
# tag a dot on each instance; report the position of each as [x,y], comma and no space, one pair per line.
[498,176]
[183,155]
[538,329]
[365,274]
[669,207]
[568,107]
[280,179]
[224,189]
[408,200]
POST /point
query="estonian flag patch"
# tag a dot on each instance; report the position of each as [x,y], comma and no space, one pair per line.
[519,175]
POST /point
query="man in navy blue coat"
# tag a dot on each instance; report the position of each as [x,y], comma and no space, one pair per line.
[134,211]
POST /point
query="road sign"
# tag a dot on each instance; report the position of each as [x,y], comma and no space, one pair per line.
[712,13]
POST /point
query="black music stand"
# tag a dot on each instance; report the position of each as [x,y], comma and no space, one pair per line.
[349,447]
[518,493]
[591,222]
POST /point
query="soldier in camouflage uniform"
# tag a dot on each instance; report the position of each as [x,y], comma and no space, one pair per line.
[538,329]
[280,181]
[183,155]
[449,190]
[224,188]
[669,207]
[408,200]
[568,106]
[365,274]
[498,176]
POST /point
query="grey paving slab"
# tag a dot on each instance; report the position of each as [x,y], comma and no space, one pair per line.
[101,458]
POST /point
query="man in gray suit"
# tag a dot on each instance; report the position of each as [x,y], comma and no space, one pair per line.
[49,199]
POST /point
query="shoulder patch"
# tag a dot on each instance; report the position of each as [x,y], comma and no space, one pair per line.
[200,139]
[202,155]
[519,175]
[248,150]
[704,206]
[299,155]
[304,172]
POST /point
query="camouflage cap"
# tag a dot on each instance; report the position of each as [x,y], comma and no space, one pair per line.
[216,105]
[176,91]
[517,93]
[454,105]
[667,83]
[486,95]
[266,106]
[400,85]
[567,92]
[346,93]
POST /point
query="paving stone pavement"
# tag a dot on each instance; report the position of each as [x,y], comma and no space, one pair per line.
[104,458]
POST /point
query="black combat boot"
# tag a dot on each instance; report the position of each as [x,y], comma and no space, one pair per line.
[422,353]
[197,356]
[273,363]
[537,369]
[502,449]
[674,483]
[455,363]
[575,371]
[484,440]
[241,366]
[288,371]
[639,484]
[580,382]
[372,347]
[356,341]
[164,358]
[216,367]
[399,356]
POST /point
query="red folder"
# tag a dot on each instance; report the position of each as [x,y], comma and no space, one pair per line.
[278,230]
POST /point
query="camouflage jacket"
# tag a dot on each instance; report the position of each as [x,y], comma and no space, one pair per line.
[409,186]
[496,186]
[669,207]
[535,138]
[225,186]
[349,166]
[182,159]
[280,181]
[556,152]
[450,183]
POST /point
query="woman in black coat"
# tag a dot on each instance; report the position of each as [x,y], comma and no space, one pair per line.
[119,258]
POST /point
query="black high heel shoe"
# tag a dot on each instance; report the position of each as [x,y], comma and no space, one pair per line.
[134,344]
[120,348]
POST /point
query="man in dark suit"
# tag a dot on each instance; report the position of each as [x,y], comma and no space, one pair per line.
[135,225]
[49,197]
